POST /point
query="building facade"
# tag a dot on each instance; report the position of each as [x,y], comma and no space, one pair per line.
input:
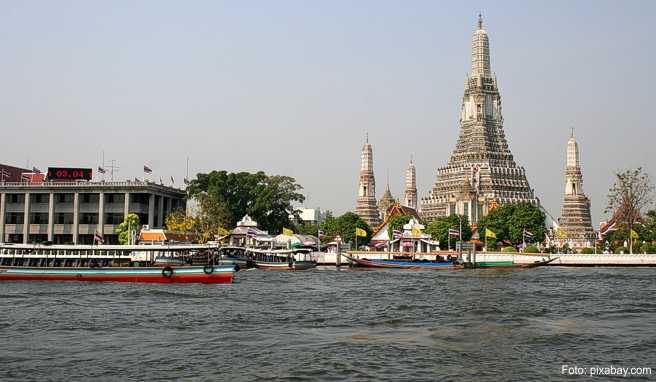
[481,172]
[73,212]
[366,206]
[575,224]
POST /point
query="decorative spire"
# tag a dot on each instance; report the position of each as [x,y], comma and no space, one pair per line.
[366,137]
[480,51]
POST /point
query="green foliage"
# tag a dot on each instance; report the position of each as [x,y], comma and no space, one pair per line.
[306,229]
[648,248]
[621,250]
[531,249]
[345,226]
[129,227]
[508,249]
[439,229]
[397,222]
[267,199]
[510,220]
[587,251]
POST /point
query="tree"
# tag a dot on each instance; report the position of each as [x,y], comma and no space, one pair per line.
[631,192]
[129,229]
[397,223]
[345,226]
[439,229]
[178,221]
[510,220]
[267,199]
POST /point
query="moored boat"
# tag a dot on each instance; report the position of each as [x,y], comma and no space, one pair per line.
[405,264]
[289,260]
[208,274]
[506,261]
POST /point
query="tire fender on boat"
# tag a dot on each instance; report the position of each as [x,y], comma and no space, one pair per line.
[208,269]
[167,272]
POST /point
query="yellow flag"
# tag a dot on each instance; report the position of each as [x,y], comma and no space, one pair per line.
[416,231]
[634,235]
[561,233]
[360,232]
[287,232]
[490,233]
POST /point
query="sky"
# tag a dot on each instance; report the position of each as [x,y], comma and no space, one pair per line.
[292,87]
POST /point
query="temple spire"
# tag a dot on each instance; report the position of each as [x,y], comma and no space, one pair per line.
[480,51]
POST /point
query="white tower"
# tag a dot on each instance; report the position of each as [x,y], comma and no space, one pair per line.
[410,194]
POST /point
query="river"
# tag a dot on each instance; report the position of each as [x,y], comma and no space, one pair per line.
[328,324]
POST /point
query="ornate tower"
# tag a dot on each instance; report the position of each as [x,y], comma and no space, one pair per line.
[410,194]
[481,158]
[386,201]
[575,222]
[366,204]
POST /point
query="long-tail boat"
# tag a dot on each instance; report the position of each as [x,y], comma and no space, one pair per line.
[438,264]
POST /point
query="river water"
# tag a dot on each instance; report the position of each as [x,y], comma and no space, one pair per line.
[327,324]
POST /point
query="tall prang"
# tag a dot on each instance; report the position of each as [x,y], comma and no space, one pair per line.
[366,206]
[481,172]
[410,193]
[575,223]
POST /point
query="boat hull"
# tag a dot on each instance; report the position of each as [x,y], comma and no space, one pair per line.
[296,266]
[166,275]
[402,264]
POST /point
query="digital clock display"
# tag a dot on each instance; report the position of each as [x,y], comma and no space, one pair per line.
[63,173]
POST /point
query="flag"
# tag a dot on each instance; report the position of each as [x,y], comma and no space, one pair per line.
[97,238]
[454,232]
[321,233]
[147,170]
[634,235]
[607,228]
[101,170]
[25,177]
[360,232]
[396,234]
[160,180]
[416,231]
[186,181]
[287,232]
[561,233]
[490,233]
[136,180]
[3,174]
[527,233]
[172,180]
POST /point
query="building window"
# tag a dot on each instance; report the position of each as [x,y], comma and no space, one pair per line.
[113,218]
[15,198]
[64,218]
[14,218]
[64,198]
[38,218]
[88,218]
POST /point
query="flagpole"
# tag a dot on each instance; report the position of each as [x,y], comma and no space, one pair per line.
[523,239]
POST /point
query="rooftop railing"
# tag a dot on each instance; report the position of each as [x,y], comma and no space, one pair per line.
[83,184]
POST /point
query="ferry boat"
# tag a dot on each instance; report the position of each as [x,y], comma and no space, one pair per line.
[120,263]
[288,260]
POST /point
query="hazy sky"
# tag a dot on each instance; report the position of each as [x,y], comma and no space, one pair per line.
[291,87]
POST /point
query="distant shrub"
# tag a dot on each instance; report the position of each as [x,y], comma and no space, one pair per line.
[587,251]
[531,249]
[621,250]
[508,249]
[648,248]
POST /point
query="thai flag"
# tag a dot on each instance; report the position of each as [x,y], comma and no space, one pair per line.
[454,232]
[528,233]
[97,238]
[101,170]
[147,170]
[4,174]
[321,233]
[396,234]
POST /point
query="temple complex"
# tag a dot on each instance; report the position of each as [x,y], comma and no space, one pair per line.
[575,225]
[366,206]
[481,172]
